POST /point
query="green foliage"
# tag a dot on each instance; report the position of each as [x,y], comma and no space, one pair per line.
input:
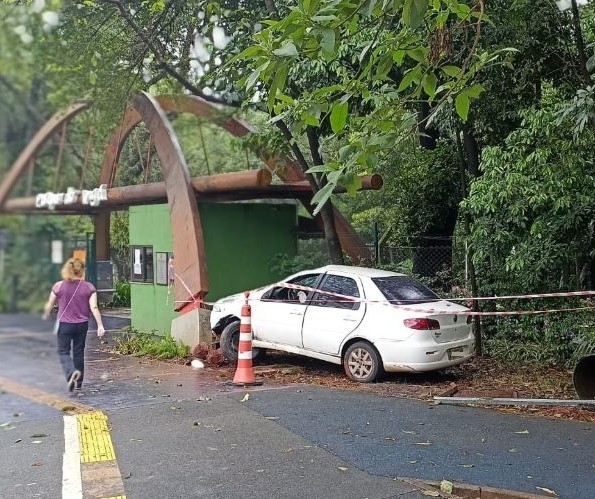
[27,261]
[356,74]
[119,242]
[137,343]
[533,207]
[546,340]
[121,296]
[420,195]
[4,297]
[311,255]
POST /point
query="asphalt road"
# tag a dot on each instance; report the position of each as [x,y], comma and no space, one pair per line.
[178,432]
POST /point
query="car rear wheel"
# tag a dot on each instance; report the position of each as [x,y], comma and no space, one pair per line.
[229,341]
[362,362]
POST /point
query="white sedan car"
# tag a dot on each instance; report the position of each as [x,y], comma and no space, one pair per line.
[369,320]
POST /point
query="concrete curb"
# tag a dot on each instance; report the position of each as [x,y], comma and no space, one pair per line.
[469,491]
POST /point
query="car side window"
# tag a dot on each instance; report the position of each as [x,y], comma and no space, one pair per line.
[340,285]
[283,294]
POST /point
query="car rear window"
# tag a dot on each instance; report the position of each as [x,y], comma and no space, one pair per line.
[402,290]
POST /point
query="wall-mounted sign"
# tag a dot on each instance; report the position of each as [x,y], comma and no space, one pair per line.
[161,268]
[52,199]
[57,255]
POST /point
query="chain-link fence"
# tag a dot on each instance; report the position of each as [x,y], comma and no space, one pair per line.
[441,263]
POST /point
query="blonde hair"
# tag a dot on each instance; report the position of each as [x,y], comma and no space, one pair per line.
[74,268]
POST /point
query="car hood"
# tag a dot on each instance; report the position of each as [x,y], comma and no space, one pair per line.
[239,297]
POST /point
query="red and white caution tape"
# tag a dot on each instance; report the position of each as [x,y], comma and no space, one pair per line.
[526,297]
[351,299]
[340,298]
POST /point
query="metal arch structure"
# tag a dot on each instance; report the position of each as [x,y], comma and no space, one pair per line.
[286,169]
[192,283]
[30,152]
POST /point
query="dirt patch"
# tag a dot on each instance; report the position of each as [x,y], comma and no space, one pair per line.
[481,377]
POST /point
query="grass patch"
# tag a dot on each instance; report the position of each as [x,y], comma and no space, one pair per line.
[140,344]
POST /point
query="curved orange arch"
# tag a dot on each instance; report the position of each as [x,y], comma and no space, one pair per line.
[152,110]
[182,104]
[188,241]
[43,134]
[285,168]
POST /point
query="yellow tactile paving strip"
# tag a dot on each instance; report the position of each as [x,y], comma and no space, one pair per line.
[96,443]
[97,450]
[41,397]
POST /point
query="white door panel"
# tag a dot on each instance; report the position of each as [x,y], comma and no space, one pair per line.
[326,327]
[278,322]
[331,317]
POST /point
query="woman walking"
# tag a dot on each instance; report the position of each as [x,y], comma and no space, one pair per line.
[77,300]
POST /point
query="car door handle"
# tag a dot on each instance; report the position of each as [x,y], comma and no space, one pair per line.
[296,313]
[349,320]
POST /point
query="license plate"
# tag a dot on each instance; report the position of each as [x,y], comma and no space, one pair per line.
[456,353]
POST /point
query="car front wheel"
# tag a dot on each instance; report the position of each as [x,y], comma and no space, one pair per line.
[229,341]
[362,362]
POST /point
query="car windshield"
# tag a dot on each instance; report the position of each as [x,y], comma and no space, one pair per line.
[401,290]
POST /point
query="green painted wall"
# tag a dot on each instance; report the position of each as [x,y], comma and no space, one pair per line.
[240,240]
[151,306]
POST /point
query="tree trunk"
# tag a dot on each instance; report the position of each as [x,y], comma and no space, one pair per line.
[428,136]
[326,213]
[580,45]
[330,234]
[473,153]
[463,167]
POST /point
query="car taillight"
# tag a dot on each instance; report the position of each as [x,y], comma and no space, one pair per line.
[422,324]
[469,319]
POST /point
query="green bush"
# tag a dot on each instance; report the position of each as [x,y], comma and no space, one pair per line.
[546,340]
[138,343]
[121,294]
[284,265]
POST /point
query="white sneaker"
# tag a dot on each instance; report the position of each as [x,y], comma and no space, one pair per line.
[76,374]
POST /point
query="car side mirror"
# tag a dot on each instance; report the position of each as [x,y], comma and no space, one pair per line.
[302,295]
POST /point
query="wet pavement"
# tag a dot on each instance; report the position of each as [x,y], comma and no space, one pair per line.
[180,432]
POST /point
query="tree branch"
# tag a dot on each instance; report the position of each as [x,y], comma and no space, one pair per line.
[162,63]
[298,154]
[272,9]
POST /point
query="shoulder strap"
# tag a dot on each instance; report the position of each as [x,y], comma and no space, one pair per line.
[69,301]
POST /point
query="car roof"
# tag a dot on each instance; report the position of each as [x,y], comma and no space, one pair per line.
[359,271]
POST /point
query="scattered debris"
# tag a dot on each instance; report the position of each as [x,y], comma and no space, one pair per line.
[547,491]
[197,364]
[512,401]
[451,390]
[446,486]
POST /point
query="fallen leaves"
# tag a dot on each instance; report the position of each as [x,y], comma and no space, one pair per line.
[446,486]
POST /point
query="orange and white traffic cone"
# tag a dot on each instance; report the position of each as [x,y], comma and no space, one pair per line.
[245,373]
